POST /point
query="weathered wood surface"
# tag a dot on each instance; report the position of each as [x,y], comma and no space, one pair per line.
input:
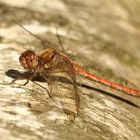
[101,35]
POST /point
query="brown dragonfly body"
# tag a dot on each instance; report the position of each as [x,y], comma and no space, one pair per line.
[52,61]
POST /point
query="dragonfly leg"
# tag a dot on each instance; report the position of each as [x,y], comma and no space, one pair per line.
[49,92]
[45,89]
[26,82]
[13,81]
[26,76]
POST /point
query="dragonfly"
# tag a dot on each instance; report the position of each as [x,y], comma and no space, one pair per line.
[52,61]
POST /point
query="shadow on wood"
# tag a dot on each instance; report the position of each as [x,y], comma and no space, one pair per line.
[15,74]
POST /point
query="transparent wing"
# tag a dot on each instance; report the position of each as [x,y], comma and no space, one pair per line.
[39,98]
[45,41]
[58,90]
[64,90]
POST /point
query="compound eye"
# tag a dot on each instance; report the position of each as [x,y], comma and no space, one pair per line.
[32,57]
[29,60]
[23,62]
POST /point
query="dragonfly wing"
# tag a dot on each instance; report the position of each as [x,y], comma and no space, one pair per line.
[64,90]
[39,99]
[44,41]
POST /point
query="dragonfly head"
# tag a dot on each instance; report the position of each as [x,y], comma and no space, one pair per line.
[29,60]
